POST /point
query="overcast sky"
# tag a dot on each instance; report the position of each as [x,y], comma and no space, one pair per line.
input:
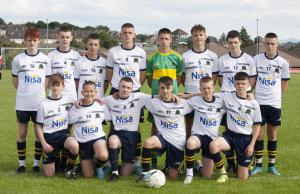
[218,16]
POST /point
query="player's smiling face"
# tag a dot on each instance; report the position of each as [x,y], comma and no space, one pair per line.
[271,45]
[89,93]
[127,35]
[198,38]
[207,89]
[32,43]
[64,39]
[125,88]
[93,45]
[165,91]
[234,45]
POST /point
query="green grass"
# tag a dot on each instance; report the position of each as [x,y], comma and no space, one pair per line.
[287,161]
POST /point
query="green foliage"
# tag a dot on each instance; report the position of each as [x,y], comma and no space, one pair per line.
[107,40]
[222,38]
[287,159]
[2,22]
[246,40]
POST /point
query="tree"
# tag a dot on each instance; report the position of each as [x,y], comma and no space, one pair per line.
[2,22]
[53,25]
[107,40]
[222,39]
[247,41]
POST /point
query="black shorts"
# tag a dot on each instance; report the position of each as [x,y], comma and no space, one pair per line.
[114,90]
[174,156]
[25,116]
[224,121]
[86,149]
[56,140]
[205,140]
[129,141]
[239,143]
[270,115]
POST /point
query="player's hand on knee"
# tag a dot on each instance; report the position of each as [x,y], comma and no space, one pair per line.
[249,150]
[47,148]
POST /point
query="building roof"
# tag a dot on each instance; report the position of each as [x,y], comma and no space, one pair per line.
[179,32]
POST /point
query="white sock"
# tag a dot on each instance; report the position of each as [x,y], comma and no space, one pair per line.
[115,172]
[189,172]
[137,163]
[36,162]
[21,162]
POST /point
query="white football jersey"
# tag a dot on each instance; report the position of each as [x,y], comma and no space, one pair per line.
[242,114]
[53,114]
[126,63]
[64,63]
[125,113]
[196,66]
[87,121]
[208,115]
[229,66]
[91,70]
[270,72]
[31,71]
[169,120]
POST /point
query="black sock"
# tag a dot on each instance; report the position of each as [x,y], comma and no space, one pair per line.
[71,161]
[259,151]
[218,161]
[113,158]
[272,145]
[38,150]
[230,158]
[21,146]
[154,159]
[99,163]
[189,158]
[139,146]
[146,159]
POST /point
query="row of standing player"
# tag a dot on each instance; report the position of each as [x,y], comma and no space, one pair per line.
[198,62]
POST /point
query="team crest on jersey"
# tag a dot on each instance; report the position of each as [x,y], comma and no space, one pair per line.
[41,66]
[248,111]
[244,67]
[131,105]
[100,70]
[208,63]
[67,108]
[97,115]
[218,110]
[124,107]
[177,112]
[72,63]
[240,108]
[135,60]
[277,70]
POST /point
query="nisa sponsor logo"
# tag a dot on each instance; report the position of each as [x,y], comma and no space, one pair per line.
[89,130]
[124,119]
[266,82]
[168,125]
[67,75]
[208,122]
[59,123]
[238,122]
[230,80]
[198,75]
[33,79]
[126,73]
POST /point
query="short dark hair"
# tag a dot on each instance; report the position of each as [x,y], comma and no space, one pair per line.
[92,36]
[127,25]
[89,82]
[233,34]
[198,27]
[56,79]
[165,80]
[241,76]
[64,29]
[205,80]
[271,35]
[164,31]
[126,79]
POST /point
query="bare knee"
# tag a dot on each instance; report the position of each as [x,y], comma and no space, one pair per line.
[113,142]
[148,143]
[172,173]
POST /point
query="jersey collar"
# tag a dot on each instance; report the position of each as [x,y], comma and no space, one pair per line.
[30,54]
[127,48]
[57,48]
[200,51]
[98,56]
[271,58]
[237,56]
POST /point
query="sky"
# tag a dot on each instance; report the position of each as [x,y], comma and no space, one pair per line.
[148,16]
